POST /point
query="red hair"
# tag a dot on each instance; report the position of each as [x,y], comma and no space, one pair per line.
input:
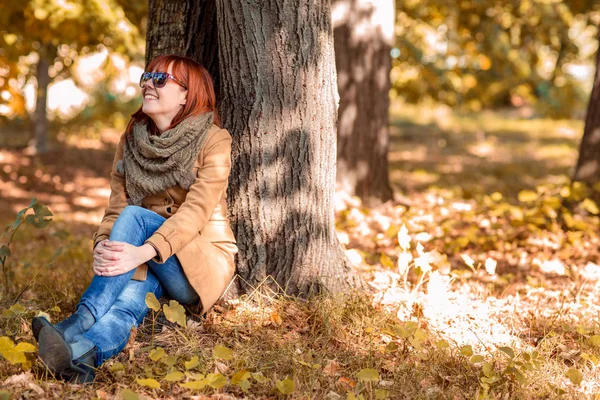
[201,96]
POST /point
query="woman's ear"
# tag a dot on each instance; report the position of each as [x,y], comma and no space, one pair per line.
[183,100]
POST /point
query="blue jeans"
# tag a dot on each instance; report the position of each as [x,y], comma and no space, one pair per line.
[118,303]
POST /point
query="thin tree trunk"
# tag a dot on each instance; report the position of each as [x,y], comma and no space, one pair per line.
[588,165]
[364,33]
[279,100]
[184,27]
[41,117]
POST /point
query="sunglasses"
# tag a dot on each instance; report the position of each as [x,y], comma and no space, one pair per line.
[159,79]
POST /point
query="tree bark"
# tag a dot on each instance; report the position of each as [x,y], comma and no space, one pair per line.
[184,27]
[588,165]
[364,34]
[41,116]
[279,101]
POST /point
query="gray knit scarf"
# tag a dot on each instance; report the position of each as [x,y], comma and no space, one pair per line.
[153,163]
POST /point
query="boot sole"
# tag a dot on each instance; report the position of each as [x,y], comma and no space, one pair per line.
[54,351]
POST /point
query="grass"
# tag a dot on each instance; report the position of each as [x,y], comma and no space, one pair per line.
[526,328]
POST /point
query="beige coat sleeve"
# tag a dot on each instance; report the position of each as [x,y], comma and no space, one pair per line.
[201,200]
[117,200]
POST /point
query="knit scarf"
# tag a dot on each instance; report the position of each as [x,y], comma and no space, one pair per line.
[153,163]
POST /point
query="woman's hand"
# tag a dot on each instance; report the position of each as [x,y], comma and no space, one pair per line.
[115,258]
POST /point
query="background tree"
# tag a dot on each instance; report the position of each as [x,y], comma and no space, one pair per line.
[588,165]
[364,36]
[278,99]
[58,32]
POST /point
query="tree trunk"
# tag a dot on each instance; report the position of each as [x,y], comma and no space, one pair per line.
[364,34]
[187,28]
[279,100]
[41,117]
[588,165]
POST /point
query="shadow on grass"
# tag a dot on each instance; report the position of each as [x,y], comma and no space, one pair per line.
[474,161]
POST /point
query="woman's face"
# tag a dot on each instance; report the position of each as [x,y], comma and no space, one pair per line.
[164,103]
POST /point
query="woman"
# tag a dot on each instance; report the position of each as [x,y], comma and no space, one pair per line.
[165,230]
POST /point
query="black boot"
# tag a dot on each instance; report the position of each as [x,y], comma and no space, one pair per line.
[54,351]
[83,370]
[57,355]
[36,326]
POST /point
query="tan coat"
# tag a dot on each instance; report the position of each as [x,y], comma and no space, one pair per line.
[197,229]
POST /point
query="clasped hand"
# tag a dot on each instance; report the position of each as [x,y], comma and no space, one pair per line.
[115,258]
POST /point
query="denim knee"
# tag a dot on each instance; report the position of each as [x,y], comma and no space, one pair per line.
[132,213]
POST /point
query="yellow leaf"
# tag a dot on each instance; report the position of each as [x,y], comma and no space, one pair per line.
[174,376]
[242,375]
[17,309]
[386,261]
[442,344]
[574,376]
[169,360]
[508,351]
[6,344]
[25,347]
[595,340]
[216,381]
[116,367]
[157,354]
[496,196]
[259,377]
[194,385]
[285,386]
[10,38]
[245,385]
[381,394]
[368,375]
[476,359]
[14,357]
[175,312]
[152,302]
[222,352]
[194,376]
[466,350]
[128,394]
[527,196]
[193,363]
[590,206]
[150,383]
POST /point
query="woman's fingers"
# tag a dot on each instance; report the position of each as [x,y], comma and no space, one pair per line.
[114,246]
[107,257]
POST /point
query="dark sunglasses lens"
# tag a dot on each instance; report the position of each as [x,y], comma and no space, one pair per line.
[160,79]
[146,76]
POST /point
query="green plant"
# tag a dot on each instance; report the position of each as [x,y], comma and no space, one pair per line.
[40,218]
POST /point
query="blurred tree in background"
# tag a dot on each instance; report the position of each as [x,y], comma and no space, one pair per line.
[474,54]
[588,164]
[363,35]
[45,39]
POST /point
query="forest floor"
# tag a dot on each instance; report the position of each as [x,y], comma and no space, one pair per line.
[486,286]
